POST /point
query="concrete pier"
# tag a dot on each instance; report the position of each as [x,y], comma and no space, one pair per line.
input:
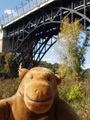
[3,40]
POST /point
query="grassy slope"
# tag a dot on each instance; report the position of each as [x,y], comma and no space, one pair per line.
[8,87]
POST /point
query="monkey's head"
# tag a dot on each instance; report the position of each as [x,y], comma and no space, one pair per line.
[39,88]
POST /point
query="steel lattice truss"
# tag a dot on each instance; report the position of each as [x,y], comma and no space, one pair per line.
[33,39]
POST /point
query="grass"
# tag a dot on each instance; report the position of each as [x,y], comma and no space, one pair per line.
[8,87]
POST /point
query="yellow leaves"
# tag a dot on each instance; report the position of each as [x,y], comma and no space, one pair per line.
[72,49]
[70,30]
[4,96]
[83,50]
[62,70]
[71,52]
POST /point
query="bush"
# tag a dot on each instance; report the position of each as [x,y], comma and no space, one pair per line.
[8,65]
[2,64]
[73,93]
[76,92]
[82,108]
[11,65]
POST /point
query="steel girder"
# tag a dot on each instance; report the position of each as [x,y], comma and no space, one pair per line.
[30,41]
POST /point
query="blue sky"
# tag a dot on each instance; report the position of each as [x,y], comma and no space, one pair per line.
[51,56]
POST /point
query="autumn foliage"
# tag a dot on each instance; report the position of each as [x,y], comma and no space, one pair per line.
[72,47]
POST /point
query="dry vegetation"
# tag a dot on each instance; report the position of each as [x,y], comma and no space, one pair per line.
[77,97]
[80,102]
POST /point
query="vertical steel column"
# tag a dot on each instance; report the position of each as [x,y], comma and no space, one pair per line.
[23,31]
[9,39]
[52,14]
[84,1]
[13,39]
[61,13]
[43,18]
[72,7]
[18,36]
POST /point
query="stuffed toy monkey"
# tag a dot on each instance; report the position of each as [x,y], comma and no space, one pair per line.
[36,98]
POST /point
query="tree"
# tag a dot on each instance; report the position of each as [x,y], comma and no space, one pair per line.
[52,67]
[11,64]
[72,46]
[2,63]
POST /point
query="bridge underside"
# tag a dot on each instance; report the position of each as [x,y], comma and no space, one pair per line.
[29,39]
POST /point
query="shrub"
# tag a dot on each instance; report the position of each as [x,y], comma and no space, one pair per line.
[82,108]
[2,64]
[8,65]
[73,93]
[76,92]
[11,65]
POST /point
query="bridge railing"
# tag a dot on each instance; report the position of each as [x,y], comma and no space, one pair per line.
[27,7]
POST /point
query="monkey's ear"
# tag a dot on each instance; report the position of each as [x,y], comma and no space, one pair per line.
[22,72]
[58,79]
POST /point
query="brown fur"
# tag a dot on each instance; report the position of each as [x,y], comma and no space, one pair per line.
[36,98]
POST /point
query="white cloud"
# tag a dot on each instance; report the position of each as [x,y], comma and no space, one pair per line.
[87,66]
[48,59]
[8,11]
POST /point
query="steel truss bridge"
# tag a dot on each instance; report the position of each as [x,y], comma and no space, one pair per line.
[32,33]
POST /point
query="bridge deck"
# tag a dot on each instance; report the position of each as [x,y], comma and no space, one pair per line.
[33,6]
[27,9]
[36,6]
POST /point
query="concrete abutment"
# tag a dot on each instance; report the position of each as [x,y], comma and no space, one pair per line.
[4,47]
